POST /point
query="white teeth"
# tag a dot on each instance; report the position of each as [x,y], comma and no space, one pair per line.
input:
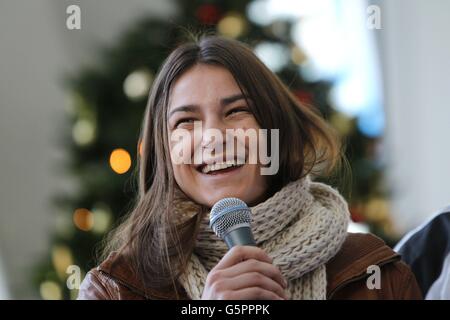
[219,166]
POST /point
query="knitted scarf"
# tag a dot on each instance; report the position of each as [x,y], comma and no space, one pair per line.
[301,227]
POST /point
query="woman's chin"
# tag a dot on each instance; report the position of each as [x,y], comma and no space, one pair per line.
[217,196]
[232,192]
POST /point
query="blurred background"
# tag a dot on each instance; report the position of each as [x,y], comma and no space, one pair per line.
[72,100]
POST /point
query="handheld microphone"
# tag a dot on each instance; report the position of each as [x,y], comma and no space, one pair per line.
[230,219]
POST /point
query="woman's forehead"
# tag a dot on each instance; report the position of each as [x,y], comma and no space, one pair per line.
[203,84]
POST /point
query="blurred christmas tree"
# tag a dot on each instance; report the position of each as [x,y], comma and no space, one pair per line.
[108,103]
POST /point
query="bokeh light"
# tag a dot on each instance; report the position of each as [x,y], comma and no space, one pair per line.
[50,290]
[83,219]
[140,148]
[137,84]
[232,25]
[297,55]
[83,132]
[102,218]
[120,161]
[274,55]
[61,258]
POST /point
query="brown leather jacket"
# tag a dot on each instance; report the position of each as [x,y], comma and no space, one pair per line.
[346,274]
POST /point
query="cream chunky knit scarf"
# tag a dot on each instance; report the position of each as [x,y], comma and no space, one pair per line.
[300,227]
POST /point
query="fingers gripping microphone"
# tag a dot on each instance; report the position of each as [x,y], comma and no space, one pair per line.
[230,219]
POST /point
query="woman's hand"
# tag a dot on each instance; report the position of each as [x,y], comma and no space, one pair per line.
[245,273]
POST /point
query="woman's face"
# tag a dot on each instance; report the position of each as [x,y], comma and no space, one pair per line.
[198,99]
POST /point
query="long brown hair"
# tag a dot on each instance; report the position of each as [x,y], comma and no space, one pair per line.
[156,247]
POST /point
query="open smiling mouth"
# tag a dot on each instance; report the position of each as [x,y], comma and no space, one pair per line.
[218,168]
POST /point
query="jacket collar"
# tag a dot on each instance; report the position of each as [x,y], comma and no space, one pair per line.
[358,252]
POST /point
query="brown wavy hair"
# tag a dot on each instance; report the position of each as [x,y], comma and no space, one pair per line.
[157,248]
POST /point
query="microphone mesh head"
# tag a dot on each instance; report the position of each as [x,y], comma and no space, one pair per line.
[227,213]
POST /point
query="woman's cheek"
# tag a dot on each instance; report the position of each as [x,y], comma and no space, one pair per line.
[180,148]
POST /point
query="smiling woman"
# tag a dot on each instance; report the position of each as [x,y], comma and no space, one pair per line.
[219,105]
[165,249]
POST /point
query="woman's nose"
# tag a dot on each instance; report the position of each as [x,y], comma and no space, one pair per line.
[212,129]
[212,136]
[207,140]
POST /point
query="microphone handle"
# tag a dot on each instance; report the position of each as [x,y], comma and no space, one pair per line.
[242,236]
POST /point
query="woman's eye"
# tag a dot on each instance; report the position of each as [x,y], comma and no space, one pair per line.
[184,122]
[237,110]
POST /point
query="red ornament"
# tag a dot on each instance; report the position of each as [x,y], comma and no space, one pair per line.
[356,214]
[208,14]
[304,97]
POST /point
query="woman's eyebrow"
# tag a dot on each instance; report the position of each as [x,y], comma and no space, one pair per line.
[185,108]
[223,102]
[233,98]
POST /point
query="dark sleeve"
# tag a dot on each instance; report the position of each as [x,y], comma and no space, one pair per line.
[426,249]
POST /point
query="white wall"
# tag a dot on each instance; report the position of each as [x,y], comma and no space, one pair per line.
[36,50]
[4,290]
[415,51]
